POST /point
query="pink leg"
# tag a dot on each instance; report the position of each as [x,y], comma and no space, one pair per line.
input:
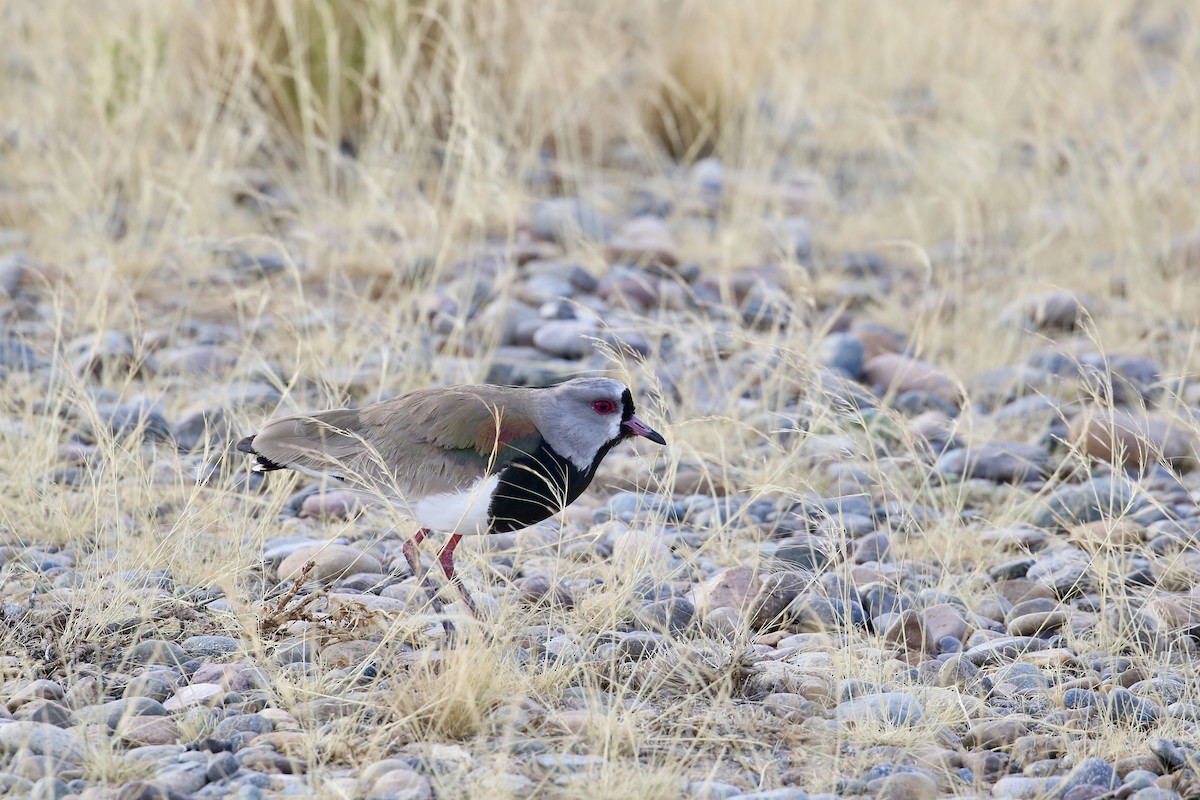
[446,559]
[409,548]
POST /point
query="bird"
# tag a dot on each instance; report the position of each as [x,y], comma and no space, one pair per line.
[465,460]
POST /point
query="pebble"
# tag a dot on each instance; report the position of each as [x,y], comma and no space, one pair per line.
[41,739]
[1131,440]
[329,562]
[815,551]
[892,708]
[998,462]
[897,374]
[908,786]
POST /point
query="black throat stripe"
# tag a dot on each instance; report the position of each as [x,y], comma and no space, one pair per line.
[538,486]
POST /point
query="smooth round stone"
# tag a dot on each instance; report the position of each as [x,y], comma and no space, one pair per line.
[1138,779]
[47,711]
[710,790]
[786,793]
[897,374]
[672,615]
[1037,622]
[401,783]
[1004,649]
[1048,311]
[1066,570]
[195,694]
[49,787]
[1087,502]
[644,240]
[1023,677]
[41,738]
[338,504]
[295,651]
[1125,708]
[330,562]
[892,708]
[221,766]
[1081,698]
[813,613]
[1131,440]
[871,548]
[147,731]
[112,712]
[564,220]
[804,552]
[908,786]
[40,689]
[946,621]
[998,462]
[537,590]
[844,353]
[211,646]
[994,734]
[1020,787]
[1089,772]
[157,651]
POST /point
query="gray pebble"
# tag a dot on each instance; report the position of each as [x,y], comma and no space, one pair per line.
[892,708]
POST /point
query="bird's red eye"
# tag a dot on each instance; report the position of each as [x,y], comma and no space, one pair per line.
[604,406]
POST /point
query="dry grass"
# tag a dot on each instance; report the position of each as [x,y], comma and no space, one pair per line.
[377,148]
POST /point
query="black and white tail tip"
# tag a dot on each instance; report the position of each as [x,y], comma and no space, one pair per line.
[261,464]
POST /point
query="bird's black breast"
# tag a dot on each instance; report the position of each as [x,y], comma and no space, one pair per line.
[537,486]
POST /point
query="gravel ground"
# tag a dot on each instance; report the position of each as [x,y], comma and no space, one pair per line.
[953,584]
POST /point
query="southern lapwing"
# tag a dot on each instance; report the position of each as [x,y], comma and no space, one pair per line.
[461,459]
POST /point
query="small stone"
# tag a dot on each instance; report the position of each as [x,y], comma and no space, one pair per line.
[330,562]
[147,731]
[565,220]
[1107,534]
[777,592]
[349,653]
[908,786]
[221,766]
[1107,497]
[908,634]
[196,694]
[997,734]
[1089,772]
[401,784]
[112,712]
[1050,311]
[1020,788]
[671,616]
[1004,649]
[944,620]
[41,739]
[40,689]
[1125,708]
[211,646]
[537,590]
[644,240]
[998,462]
[731,588]
[842,352]
[158,651]
[893,708]
[896,374]
[1037,623]
[567,338]
[338,504]
[804,552]
[1132,440]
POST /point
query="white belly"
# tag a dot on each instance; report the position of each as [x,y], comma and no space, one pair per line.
[464,512]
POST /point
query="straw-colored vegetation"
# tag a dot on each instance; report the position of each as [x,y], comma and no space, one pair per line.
[368,152]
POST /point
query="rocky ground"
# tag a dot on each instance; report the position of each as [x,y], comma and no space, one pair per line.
[898,583]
